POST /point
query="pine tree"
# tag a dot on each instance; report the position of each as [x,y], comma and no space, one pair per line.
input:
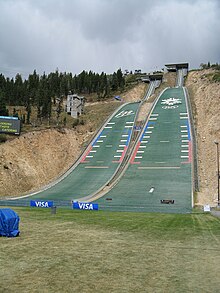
[3,109]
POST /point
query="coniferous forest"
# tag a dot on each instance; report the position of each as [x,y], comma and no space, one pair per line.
[42,91]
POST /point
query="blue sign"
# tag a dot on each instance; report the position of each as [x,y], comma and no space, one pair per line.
[41,204]
[137,127]
[85,206]
[118,98]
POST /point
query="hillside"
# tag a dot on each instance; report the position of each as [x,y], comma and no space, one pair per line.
[205,99]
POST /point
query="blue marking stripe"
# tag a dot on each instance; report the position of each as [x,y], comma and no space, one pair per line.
[188,130]
[145,129]
[129,137]
[96,139]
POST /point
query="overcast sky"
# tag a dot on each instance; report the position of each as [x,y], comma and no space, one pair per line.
[104,35]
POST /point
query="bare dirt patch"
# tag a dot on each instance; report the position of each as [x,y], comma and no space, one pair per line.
[135,94]
[35,158]
[205,99]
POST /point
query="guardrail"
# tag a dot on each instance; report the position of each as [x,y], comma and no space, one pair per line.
[194,141]
[151,89]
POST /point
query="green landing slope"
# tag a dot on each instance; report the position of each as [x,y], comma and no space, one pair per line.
[159,176]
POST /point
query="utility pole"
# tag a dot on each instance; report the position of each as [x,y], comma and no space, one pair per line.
[218,174]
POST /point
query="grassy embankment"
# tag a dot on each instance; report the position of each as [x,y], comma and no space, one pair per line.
[76,251]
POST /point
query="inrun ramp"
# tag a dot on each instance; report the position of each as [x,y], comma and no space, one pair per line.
[159,175]
[100,161]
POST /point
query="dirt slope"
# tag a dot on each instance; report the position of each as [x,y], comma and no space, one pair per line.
[34,159]
[205,99]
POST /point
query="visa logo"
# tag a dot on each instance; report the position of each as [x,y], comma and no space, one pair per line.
[85,206]
[41,204]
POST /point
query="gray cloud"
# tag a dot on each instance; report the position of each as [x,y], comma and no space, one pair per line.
[103,35]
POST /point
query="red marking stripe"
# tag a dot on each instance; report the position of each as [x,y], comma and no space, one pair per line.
[123,154]
[190,152]
[135,152]
[86,154]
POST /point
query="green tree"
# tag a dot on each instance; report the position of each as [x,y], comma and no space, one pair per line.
[121,81]
[32,88]
[3,109]
[114,82]
[18,90]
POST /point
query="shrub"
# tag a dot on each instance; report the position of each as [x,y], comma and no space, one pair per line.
[3,138]
[216,77]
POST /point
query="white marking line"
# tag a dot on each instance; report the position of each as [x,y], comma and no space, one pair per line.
[183,113]
[183,126]
[150,127]
[108,127]
[146,168]
[185,157]
[184,131]
[184,135]
[123,140]
[99,141]
[152,118]
[128,126]
[160,162]
[184,151]
[122,145]
[96,146]
[129,122]
[119,151]
[154,115]
[144,141]
[89,156]
[138,157]
[140,152]
[146,136]
[185,140]
[184,117]
[124,135]
[110,123]
[142,146]
[164,141]
[103,136]
[148,131]
[117,156]
[93,151]
[184,146]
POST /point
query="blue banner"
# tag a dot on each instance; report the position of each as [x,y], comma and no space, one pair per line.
[41,204]
[85,206]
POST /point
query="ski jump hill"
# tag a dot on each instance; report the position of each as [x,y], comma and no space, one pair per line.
[151,171]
